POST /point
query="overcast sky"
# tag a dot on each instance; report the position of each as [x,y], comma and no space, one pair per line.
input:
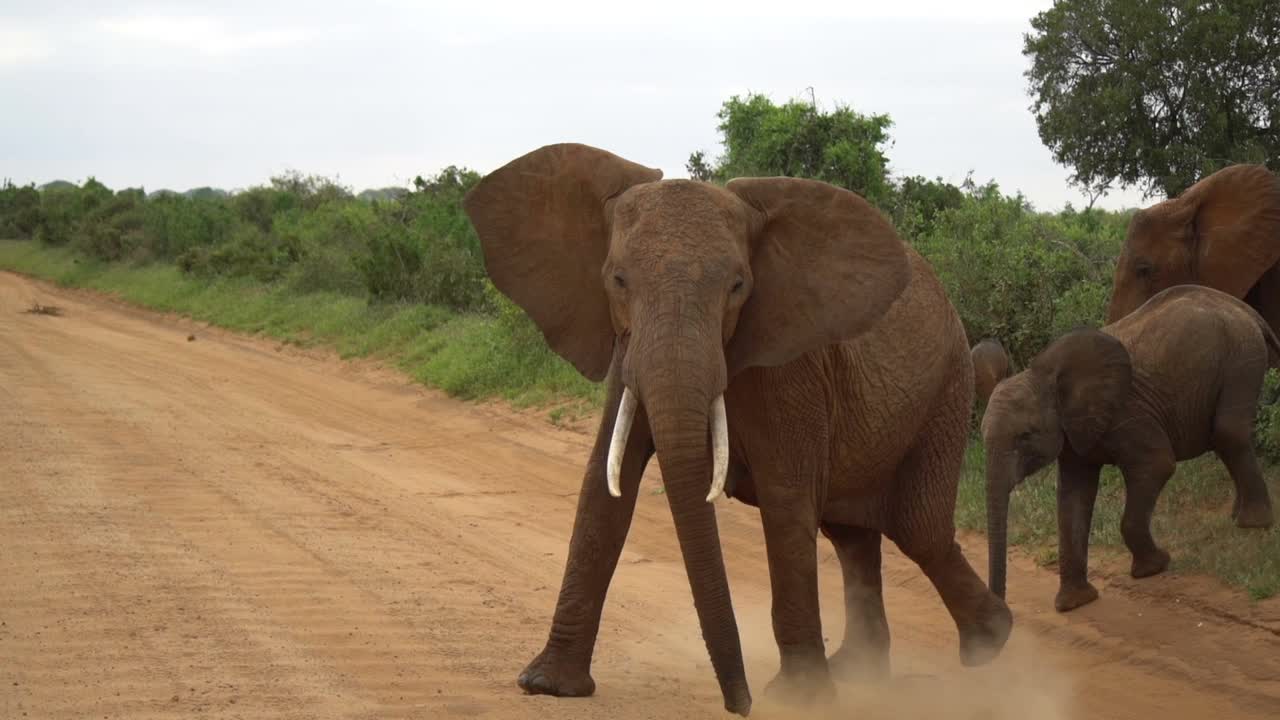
[182,94]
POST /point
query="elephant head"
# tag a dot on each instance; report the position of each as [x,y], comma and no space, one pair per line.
[1069,395]
[1223,232]
[686,283]
[990,366]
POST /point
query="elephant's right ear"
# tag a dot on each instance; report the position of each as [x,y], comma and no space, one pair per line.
[1236,226]
[543,224]
[1092,373]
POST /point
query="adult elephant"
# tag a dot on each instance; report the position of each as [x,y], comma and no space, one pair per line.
[723,321]
[1223,232]
[1175,379]
[990,366]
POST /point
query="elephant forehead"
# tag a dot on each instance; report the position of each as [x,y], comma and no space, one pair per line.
[1017,392]
[679,207]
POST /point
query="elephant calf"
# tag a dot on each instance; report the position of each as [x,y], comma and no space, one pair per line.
[990,366]
[1178,377]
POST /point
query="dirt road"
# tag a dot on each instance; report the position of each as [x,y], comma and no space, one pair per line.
[227,529]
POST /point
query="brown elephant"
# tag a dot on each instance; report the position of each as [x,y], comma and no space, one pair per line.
[990,366]
[1169,382]
[1223,232]
[774,339]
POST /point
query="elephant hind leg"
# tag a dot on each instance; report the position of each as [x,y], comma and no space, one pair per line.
[1233,444]
[922,524]
[1144,480]
[864,652]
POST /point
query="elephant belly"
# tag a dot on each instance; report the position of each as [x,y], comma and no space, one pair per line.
[871,439]
[850,416]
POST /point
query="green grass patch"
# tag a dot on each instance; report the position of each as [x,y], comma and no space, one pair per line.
[1192,520]
[472,356]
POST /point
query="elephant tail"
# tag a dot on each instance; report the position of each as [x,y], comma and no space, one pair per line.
[1273,344]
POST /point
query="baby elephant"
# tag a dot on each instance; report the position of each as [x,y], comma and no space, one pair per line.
[1179,376]
[990,366]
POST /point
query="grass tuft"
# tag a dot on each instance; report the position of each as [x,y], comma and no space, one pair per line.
[470,356]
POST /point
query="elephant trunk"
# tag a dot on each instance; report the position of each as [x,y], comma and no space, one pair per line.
[1001,478]
[679,417]
[622,431]
[676,370]
[1124,300]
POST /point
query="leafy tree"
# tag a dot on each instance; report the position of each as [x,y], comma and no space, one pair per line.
[916,203]
[19,210]
[797,139]
[699,168]
[1156,93]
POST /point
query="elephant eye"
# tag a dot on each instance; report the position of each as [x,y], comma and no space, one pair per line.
[618,281]
[737,285]
[1143,270]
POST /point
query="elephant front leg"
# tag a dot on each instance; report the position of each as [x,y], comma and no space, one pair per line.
[563,668]
[1077,493]
[864,651]
[790,531]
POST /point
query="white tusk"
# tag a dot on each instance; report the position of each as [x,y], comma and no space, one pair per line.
[618,445]
[719,449]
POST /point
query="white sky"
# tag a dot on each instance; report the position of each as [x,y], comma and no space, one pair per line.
[183,94]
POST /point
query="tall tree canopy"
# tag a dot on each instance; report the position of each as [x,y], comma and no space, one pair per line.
[1156,93]
[797,139]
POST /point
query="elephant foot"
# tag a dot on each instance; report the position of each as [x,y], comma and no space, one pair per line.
[857,664]
[1153,563]
[981,642]
[802,684]
[1254,515]
[1069,598]
[545,675]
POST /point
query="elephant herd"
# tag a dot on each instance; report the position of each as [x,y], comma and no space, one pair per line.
[773,340]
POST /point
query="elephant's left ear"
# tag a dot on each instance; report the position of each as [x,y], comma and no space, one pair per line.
[825,264]
[1236,226]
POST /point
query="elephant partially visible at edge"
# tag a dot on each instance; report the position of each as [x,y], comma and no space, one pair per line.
[773,337]
[990,366]
[1223,232]
[1169,382]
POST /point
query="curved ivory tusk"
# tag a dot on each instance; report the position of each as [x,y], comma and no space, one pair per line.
[618,445]
[719,449]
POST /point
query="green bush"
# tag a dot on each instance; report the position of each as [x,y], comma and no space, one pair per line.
[113,228]
[249,253]
[19,211]
[1021,276]
[175,225]
[424,249]
[1266,429]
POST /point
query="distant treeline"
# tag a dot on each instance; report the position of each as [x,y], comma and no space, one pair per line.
[1014,273]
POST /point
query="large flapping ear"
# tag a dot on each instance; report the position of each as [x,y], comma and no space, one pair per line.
[825,267]
[1092,373]
[543,224]
[1236,226]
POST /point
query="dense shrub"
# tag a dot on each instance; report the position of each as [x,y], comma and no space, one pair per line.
[19,211]
[175,225]
[424,249]
[1020,276]
[1267,427]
